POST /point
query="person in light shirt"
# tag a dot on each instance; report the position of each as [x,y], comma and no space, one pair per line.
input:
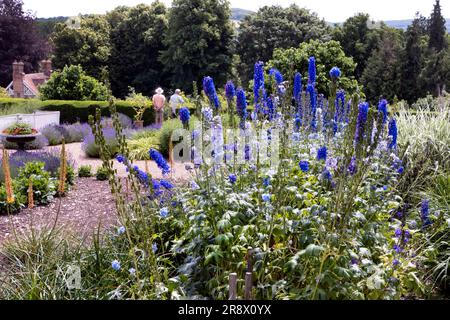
[158,104]
[175,101]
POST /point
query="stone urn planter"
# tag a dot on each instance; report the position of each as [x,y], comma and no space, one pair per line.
[20,139]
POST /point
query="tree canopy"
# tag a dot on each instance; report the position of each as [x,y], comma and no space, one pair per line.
[274,27]
[199,42]
[19,40]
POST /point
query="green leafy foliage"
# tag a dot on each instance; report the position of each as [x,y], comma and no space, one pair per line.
[44,187]
[85,171]
[72,84]
[327,54]
[101,174]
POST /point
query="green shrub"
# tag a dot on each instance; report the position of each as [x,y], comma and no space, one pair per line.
[85,171]
[3,93]
[43,185]
[72,83]
[166,131]
[19,200]
[101,174]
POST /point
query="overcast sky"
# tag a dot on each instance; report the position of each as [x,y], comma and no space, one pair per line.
[331,10]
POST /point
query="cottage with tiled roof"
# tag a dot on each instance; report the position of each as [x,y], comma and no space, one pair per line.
[26,85]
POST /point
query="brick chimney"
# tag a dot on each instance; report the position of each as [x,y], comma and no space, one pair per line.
[46,66]
[18,79]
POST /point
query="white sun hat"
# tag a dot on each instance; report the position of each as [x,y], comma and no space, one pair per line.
[159,91]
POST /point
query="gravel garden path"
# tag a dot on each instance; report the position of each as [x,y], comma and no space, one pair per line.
[88,205]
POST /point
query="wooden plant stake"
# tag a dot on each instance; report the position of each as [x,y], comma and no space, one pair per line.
[233,286]
[248,286]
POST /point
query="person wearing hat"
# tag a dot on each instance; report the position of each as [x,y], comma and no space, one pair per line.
[175,101]
[158,104]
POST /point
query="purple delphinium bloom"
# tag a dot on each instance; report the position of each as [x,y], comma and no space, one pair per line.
[398,233]
[326,175]
[210,91]
[322,154]
[363,110]
[400,170]
[160,161]
[335,73]
[230,91]
[393,132]
[258,80]
[304,166]
[232,178]
[277,75]
[397,248]
[383,108]
[297,87]
[241,107]
[184,115]
[194,185]
[312,70]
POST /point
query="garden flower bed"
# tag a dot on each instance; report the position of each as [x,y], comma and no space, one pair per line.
[304,197]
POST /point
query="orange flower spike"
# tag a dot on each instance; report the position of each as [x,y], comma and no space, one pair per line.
[8,183]
[62,169]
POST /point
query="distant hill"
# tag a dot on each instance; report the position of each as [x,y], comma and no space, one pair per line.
[239,14]
[403,24]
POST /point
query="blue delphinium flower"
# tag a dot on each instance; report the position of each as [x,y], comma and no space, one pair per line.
[266,182]
[363,111]
[304,166]
[258,80]
[166,184]
[395,262]
[335,73]
[115,265]
[393,132]
[270,108]
[425,212]
[241,106]
[132,271]
[266,197]
[121,230]
[185,115]
[313,100]
[397,248]
[120,158]
[383,108]
[312,70]
[277,75]
[352,168]
[207,114]
[400,170]
[297,123]
[398,233]
[230,91]
[297,87]
[232,178]
[164,212]
[160,161]
[154,247]
[210,91]
[322,154]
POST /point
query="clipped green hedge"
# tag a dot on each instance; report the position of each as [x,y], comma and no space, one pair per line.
[72,111]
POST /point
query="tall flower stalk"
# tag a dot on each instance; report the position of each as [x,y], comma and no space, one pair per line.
[8,182]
